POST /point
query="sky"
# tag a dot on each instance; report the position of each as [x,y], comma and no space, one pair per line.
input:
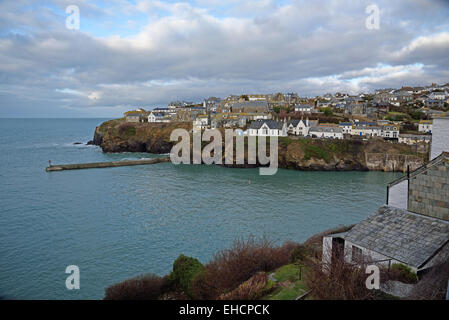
[146,53]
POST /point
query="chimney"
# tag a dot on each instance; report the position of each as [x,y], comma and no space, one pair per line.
[307,121]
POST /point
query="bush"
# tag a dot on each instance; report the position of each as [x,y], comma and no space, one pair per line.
[251,289]
[231,267]
[338,280]
[127,129]
[185,270]
[299,254]
[433,284]
[147,287]
[403,273]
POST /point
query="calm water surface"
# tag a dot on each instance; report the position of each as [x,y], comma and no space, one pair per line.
[117,223]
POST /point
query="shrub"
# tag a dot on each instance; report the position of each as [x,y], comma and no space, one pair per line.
[231,267]
[299,254]
[185,270]
[338,280]
[403,273]
[251,289]
[146,287]
[127,129]
[433,284]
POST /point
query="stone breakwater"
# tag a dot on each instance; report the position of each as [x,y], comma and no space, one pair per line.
[93,165]
[298,154]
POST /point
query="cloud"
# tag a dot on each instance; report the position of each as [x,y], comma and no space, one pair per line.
[189,50]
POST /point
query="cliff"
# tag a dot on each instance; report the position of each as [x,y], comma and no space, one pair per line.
[299,154]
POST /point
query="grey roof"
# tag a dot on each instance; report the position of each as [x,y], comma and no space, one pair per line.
[293,122]
[326,129]
[254,103]
[134,114]
[400,234]
[365,123]
[158,114]
[272,124]
[345,124]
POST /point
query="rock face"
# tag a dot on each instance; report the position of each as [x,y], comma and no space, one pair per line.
[299,154]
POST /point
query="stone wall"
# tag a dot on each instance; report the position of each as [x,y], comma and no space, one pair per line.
[392,162]
[429,192]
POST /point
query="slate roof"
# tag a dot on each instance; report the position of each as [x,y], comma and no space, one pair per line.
[272,124]
[250,104]
[326,129]
[293,122]
[158,114]
[400,234]
[134,115]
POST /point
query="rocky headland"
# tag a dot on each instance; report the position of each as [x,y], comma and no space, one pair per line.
[294,153]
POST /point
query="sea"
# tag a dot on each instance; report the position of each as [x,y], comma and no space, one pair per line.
[118,223]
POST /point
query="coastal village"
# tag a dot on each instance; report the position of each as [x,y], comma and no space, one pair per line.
[399,115]
[410,237]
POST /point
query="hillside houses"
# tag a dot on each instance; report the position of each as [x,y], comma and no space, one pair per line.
[362,115]
[326,132]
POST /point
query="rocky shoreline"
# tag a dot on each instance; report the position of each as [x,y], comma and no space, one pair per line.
[298,154]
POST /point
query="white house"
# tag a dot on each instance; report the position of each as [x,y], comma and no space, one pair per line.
[201,122]
[306,108]
[269,128]
[346,127]
[300,127]
[390,132]
[326,132]
[367,131]
[158,117]
[425,126]
[438,95]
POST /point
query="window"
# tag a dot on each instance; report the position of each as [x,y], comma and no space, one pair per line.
[357,255]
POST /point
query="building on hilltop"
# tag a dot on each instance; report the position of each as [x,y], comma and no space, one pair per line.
[134,117]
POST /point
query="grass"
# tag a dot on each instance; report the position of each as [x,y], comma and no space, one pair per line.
[288,285]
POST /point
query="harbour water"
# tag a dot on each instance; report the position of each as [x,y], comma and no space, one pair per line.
[117,223]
